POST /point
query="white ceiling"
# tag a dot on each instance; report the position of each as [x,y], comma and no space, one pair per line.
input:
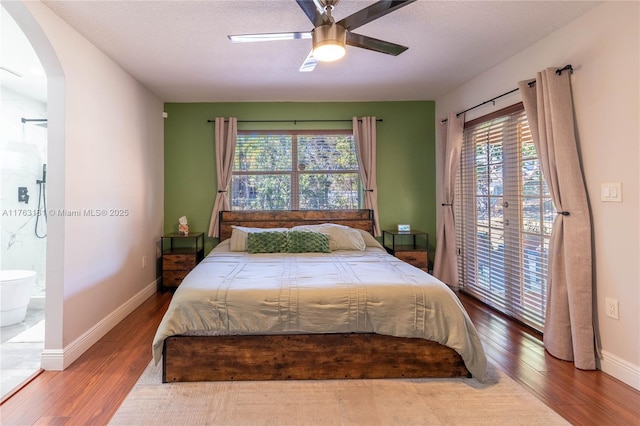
[180,51]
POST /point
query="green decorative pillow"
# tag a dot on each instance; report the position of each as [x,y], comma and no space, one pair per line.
[341,237]
[267,242]
[307,242]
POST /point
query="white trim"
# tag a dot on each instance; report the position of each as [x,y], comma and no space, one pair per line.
[52,360]
[59,359]
[621,369]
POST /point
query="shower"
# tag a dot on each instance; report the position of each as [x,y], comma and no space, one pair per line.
[42,194]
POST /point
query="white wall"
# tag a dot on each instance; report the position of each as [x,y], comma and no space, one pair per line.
[105,172]
[604,48]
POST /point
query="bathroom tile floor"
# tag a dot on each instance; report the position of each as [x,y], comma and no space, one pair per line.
[20,357]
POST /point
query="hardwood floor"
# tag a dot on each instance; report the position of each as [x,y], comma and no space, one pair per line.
[581,397]
[92,388]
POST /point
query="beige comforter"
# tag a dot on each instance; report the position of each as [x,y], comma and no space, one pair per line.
[338,292]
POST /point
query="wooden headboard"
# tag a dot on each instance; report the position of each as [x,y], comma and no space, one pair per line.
[357,218]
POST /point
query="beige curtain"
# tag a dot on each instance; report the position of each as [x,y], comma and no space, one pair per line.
[568,330]
[226,134]
[364,130]
[445,264]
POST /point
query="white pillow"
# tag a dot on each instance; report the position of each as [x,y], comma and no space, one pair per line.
[341,237]
[238,240]
[369,239]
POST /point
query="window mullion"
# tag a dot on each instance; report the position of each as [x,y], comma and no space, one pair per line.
[295,176]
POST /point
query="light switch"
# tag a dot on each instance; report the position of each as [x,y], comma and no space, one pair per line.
[611,192]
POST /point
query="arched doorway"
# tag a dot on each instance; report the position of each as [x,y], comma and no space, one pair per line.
[49,169]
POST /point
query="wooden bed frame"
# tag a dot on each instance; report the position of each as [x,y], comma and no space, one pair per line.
[304,356]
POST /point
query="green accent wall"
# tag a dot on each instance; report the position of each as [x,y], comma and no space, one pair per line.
[405,157]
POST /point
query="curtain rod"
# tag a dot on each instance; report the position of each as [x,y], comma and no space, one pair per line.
[531,83]
[292,121]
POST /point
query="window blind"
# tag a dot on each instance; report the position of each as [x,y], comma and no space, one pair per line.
[504,216]
[295,170]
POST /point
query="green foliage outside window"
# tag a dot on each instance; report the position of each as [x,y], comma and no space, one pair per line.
[295,171]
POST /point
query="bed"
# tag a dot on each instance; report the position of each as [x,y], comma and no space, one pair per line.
[247,312]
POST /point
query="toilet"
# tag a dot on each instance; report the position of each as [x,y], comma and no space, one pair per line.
[16,287]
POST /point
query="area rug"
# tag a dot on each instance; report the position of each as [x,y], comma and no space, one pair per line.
[498,401]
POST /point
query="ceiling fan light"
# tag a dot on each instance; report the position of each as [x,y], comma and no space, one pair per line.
[328,52]
[329,42]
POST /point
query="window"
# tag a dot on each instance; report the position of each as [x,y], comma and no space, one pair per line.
[504,216]
[295,171]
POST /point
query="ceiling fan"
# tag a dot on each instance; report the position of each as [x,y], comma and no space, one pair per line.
[330,37]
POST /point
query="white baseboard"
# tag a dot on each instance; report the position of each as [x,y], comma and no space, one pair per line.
[52,360]
[621,369]
[59,359]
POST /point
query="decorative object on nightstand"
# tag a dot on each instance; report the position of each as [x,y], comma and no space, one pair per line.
[183,226]
[180,254]
[410,246]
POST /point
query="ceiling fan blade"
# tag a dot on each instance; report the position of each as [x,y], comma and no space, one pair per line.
[365,42]
[309,64]
[248,38]
[372,12]
[314,12]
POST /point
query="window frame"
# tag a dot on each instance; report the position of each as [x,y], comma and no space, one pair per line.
[294,172]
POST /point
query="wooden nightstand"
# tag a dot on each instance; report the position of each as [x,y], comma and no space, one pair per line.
[409,246]
[180,254]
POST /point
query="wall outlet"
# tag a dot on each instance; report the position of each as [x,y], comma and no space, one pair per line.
[144,262]
[611,305]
